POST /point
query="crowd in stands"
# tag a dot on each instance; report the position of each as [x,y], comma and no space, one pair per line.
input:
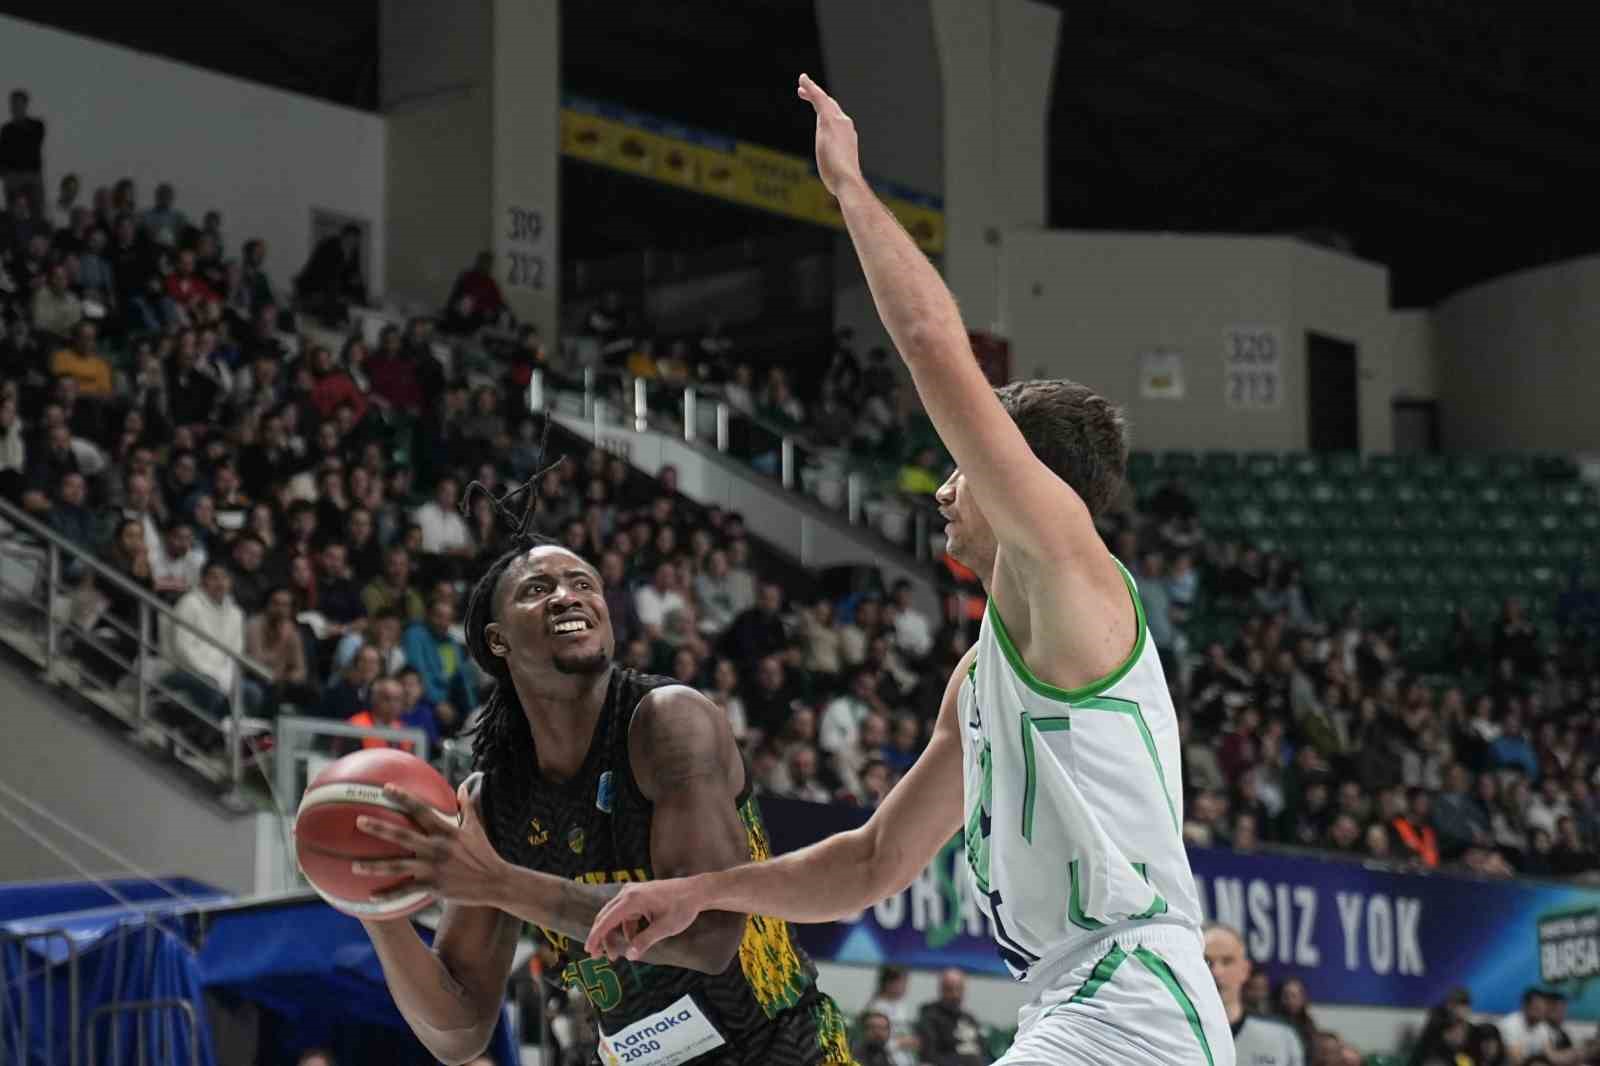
[162,406]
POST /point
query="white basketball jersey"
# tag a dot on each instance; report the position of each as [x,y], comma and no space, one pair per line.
[1073,799]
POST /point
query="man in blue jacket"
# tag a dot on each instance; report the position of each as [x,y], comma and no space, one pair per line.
[441,661]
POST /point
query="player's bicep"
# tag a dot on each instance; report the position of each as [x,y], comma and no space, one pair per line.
[477,945]
[923,810]
[687,762]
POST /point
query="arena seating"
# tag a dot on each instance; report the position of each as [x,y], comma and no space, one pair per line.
[1414,541]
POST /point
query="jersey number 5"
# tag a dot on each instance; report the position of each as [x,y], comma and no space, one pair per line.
[598,979]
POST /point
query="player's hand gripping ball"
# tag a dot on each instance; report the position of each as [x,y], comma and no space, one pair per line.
[328,843]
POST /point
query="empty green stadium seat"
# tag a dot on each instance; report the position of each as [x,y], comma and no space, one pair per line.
[1262,465]
[1344,465]
[1304,464]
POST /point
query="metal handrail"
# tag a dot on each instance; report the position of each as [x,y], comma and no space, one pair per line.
[55,548]
[635,402]
[20,518]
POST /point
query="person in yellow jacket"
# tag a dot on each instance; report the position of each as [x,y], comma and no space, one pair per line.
[82,361]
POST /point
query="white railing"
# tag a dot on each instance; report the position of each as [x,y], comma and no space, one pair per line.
[39,621]
[830,479]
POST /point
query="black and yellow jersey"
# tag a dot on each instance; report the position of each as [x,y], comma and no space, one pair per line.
[595,828]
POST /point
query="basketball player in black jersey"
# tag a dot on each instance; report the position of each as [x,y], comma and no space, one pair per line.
[590,776]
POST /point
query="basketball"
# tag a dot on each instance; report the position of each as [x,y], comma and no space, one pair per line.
[327,841]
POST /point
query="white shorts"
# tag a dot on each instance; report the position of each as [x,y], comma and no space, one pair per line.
[1145,996]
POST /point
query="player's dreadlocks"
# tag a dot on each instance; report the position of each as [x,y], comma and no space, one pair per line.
[502,731]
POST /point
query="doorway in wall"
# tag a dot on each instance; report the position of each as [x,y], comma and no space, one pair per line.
[1333,399]
[1416,426]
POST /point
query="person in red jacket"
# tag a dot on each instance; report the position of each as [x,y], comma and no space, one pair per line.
[333,385]
[1415,829]
[186,287]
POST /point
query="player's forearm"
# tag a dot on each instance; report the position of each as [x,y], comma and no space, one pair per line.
[912,300]
[569,908]
[437,1006]
[832,879]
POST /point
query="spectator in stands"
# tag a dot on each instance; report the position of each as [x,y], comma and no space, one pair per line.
[338,598]
[22,152]
[872,1046]
[393,590]
[819,643]
[55,460]
[1291,1003]
[383,712]
[441,661]
[851,765]
[420,712]
[716,595]
[891,1001]
[949,1034]
[759,631]
[193,394]
[1414,829]
[1511,749]
[205,668]
[331,280]
[273,639]
[253,289]
[353,691]
[177,563]
[70,516]
[384,631]
[164,217]
[840,727]
[444,531]
[921,475]
[804,783]
[56,309]
[913,632]
[769,698]
[1527,1032]
[250,578]
[905,743]
[724,692]
[654,601]
[475,300]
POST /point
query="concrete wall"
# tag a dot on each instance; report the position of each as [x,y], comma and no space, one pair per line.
[110,794]
[1414,373]
[1087,305]
[438,101]
[1516,361]
[263,157]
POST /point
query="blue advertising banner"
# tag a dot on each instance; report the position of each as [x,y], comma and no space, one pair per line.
[1354,933]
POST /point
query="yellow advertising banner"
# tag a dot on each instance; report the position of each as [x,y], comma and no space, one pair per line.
[744,173]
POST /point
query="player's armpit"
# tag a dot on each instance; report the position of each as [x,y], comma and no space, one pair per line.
[687,763]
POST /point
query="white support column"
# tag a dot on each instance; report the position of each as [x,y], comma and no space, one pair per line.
[996,61]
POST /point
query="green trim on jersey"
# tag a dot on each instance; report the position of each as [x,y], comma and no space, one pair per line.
[1075,913]
[1158,905]
[1094,688]
[1098,976]
[1158,966]
[1029,778]
[977,843]
[1118,705]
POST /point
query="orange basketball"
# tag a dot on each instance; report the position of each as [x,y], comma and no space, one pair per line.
[326,840]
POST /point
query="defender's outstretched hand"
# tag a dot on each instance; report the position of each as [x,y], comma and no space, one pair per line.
[838,157]
[642,915]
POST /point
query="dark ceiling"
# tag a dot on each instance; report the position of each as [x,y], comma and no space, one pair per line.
[1451,139]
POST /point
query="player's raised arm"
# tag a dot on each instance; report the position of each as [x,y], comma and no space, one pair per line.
[1030,508]
[832,879]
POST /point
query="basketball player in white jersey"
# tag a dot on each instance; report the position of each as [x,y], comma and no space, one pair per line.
[1057,725]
